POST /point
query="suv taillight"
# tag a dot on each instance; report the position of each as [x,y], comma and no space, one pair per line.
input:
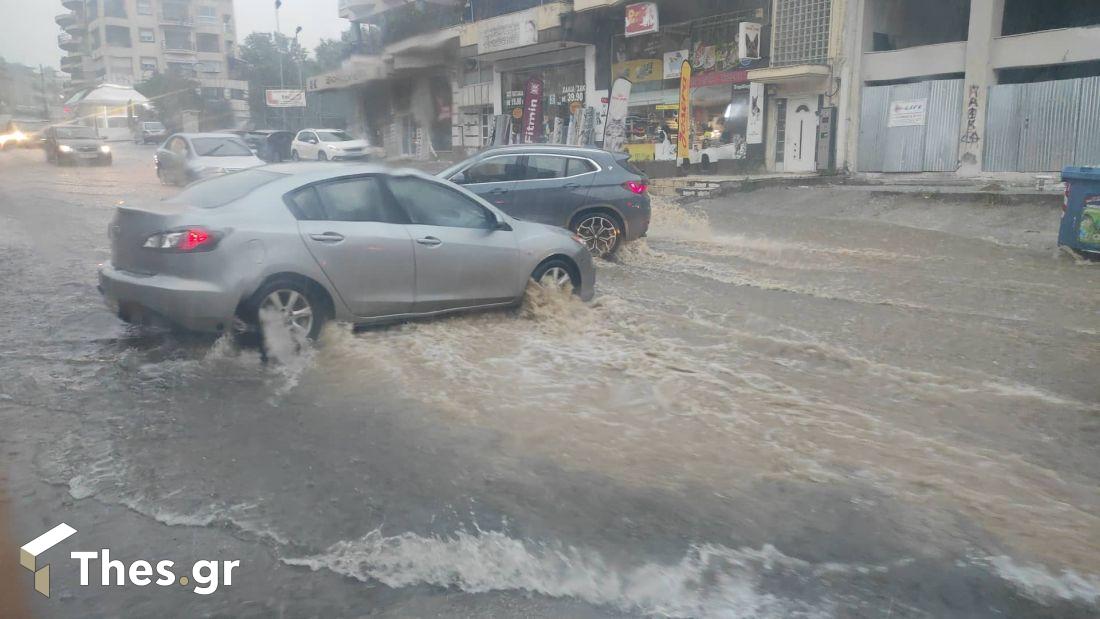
[191,239]
[638,187]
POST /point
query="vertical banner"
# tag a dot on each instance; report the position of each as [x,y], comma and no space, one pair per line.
[614,137]
[531,128]
[754,132]
[683,139]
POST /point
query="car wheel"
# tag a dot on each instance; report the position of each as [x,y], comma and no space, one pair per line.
[295,156]
[555,275]
[298,307]
[321,156]
[600,231]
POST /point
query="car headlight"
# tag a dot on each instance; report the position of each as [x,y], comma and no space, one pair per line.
[65,148]
[104,149]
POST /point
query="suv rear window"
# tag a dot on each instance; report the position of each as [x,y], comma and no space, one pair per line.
[222,190]
[624,161]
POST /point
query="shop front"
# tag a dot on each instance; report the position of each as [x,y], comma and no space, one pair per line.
[726,112]
[544,102]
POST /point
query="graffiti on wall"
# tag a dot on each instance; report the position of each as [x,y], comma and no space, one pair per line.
[970,135]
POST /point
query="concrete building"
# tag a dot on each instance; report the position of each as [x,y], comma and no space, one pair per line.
[972,86]
[30,92]
[125,42]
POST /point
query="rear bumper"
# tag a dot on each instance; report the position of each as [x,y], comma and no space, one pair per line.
[637,220]
[191,304]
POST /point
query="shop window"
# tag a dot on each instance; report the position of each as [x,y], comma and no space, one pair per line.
[1036,15]
[563,95]
[117,36]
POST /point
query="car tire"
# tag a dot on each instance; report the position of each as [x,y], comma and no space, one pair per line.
[295,156]
[601,231]
[289,296]
[321,156]
[555,274]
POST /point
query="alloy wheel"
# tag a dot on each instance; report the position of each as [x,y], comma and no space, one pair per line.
[599,233]
[294,309]
[556,278]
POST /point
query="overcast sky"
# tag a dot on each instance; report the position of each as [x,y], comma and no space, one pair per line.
[30,33]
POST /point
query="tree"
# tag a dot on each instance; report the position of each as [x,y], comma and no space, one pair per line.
[259,64]
[330,53]
[171,94]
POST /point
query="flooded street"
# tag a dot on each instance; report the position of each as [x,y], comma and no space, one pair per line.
[791,402]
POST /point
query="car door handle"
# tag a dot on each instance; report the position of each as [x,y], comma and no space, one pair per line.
[327,237]
[498,191]
[430,241]
[571,186]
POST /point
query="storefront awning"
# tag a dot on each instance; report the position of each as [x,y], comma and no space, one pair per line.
[776,75]
[356,70]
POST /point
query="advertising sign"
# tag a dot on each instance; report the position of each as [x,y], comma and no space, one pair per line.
[673,60]
[602,98]
[614,137]
[531,123]
[909,113]
[515,30]
[683,139]
[748,41]
[286,98]
[754,132]
[641,18]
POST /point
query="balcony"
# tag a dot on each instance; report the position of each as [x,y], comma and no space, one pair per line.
[178,47]
[71,64]
[69,43]
[66,20]
[184,20]
[935,59]
[361,10]
[73,5]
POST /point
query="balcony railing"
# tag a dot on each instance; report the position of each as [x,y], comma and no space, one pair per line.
[185,47]
[177,19]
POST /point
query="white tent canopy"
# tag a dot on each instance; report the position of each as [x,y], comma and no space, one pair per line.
[109,95]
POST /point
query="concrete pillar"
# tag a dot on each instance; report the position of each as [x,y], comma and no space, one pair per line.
[986,17]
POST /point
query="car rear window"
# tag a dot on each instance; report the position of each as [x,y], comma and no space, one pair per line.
[624,161]
[222,190]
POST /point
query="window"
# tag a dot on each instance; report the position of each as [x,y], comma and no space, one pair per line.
[114,8]
[355,199]
[579,166]
[121,66]
[208,14]
[144,7]
[238,95]
[147,35]
[149,65]
[181,69]
[432,204]
[208,66]
[118,36]
[95,39]
[220,147]
[495,170]
[335,136]
[178,146]
[207,42]
[307,137]
[306,205]
[177,39]
[544,167]
[222,190]
[212,93]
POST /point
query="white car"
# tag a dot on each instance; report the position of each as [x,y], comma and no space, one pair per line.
[331,145]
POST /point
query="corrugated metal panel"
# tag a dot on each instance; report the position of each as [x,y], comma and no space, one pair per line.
[1088,124]
[905,145]
[941,135]
[1004,124]
[1050,125]
[872,127]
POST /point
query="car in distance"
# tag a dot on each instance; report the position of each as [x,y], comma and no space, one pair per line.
[188,157]
[599,195]
[150,132]
[311,242]
[332,145]
[75,144]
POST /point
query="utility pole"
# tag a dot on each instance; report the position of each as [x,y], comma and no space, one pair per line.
[45,100]
[301,82]
[279,53]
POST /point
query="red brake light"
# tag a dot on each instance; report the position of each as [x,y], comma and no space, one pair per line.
[193,238]
[183,240]
[638,187]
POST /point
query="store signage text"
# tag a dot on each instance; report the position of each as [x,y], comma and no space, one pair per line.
[641,18]
[718,78]
[532,110]
[507,32]
[286,98]
[911,113]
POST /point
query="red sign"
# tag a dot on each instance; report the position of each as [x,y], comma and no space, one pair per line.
[717,78]
[532,111]
[641,18]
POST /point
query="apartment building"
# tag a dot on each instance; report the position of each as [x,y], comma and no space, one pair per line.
[125,42]
[30,92]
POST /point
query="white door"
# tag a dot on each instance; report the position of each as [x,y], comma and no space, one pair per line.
[801,142]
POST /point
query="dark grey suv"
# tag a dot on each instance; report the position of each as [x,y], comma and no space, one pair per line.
[597,194]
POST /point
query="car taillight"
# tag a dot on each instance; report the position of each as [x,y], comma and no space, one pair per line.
[183,240]
[638,187]
[1065,198]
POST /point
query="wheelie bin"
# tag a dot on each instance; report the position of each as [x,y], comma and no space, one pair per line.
[1080,228]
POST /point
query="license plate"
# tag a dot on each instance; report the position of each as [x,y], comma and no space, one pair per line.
[89,155]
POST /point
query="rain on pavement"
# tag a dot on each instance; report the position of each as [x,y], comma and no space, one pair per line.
[797,401]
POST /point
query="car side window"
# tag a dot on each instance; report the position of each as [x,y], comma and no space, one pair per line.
[178,146]
[354,199]
[545,167]
[306,205]
[432,204]
[311,138]
[495,170]
[579,166]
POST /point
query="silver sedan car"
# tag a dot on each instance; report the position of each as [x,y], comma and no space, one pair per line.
[314,242]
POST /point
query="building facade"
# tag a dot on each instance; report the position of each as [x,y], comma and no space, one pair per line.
[30,92]
[125,42]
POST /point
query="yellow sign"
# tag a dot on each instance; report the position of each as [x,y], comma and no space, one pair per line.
[668,106]
[647,70]
[683,140]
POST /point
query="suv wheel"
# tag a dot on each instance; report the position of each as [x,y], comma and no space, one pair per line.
[600,231]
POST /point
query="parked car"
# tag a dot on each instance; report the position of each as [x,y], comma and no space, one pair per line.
[313,242]
[271,145]
[332,144]
[75,144]
[23,133]
[599,195]
[188,157]
[150,132]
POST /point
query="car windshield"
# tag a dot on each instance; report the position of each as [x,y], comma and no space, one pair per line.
[220,147]
[334,136]
[154,126]
[75,133]
[222,190]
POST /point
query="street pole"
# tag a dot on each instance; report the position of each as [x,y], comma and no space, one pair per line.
[279,53]
[301,82]
[45,100]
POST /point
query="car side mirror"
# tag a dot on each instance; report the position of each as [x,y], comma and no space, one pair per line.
[500,224]
[459,179]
